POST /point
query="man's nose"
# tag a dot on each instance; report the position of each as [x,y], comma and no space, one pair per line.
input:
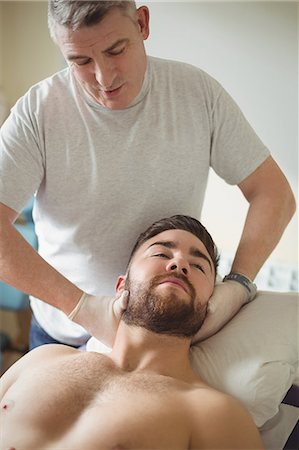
[105,74]
[178,265]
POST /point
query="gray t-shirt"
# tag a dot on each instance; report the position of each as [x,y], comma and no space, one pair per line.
[102,176]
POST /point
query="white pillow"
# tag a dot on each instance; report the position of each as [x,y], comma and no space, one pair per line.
[255,356]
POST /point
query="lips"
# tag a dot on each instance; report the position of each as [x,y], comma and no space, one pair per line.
[112,93]
[176,281]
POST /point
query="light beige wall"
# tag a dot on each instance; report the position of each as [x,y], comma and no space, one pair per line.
[251,48]
[1,44]
[28,52]
[3,106]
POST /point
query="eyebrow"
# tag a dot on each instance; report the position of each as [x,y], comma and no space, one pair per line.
[193,250]
[107,50]
[116,44]
[75,57]
[198,254]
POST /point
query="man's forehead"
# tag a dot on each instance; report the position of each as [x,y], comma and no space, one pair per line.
[180,239]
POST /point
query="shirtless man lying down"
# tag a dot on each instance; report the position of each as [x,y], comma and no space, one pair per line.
[144,394]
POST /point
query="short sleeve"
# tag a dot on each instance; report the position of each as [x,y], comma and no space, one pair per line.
[236,150]
[21,155]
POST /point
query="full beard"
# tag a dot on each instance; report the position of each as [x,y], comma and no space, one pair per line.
[164,313]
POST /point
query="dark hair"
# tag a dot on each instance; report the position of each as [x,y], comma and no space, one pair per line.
[180,222]
[74,14]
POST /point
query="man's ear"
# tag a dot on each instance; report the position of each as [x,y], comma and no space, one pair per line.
[120,285]
[143,21]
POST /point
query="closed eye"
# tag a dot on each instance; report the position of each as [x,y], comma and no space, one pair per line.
[161,255]
[199,267]
[116,52]
[83,62]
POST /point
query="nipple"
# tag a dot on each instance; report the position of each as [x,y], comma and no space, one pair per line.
[7,405]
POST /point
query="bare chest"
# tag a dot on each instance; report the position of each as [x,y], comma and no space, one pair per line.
[90,405]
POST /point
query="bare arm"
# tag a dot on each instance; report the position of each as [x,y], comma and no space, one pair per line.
[23,268]
[271,207]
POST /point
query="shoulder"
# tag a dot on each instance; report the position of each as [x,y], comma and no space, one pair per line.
[57,80]
[178,68]
[33,358]
[46,91]
[48,352]
[171,64]
[187,80]
[220,421]
[40,106]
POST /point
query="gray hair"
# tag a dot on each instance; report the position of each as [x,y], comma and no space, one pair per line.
[74,14]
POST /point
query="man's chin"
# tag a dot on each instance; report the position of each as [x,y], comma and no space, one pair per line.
[164,309]
[117,99]
[168,289]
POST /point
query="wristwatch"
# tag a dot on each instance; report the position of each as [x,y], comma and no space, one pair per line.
[246,282]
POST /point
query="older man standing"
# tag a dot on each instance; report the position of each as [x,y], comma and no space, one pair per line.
[108,145]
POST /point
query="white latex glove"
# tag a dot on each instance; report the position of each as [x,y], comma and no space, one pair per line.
[100,315]
[94,345]
[226,301]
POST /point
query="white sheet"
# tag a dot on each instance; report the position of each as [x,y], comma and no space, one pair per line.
[276,431]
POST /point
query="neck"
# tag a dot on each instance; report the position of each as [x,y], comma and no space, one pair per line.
[137,349]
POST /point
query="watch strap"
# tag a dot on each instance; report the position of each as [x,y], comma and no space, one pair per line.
[245,281]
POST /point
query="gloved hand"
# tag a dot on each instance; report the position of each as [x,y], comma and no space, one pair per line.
[227,299]
[100,315]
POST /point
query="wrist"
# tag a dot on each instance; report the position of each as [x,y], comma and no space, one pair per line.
[247,283]
[78,306]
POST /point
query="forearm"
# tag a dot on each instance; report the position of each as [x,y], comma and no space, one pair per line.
[271,206]
[23,268]
[268,215]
